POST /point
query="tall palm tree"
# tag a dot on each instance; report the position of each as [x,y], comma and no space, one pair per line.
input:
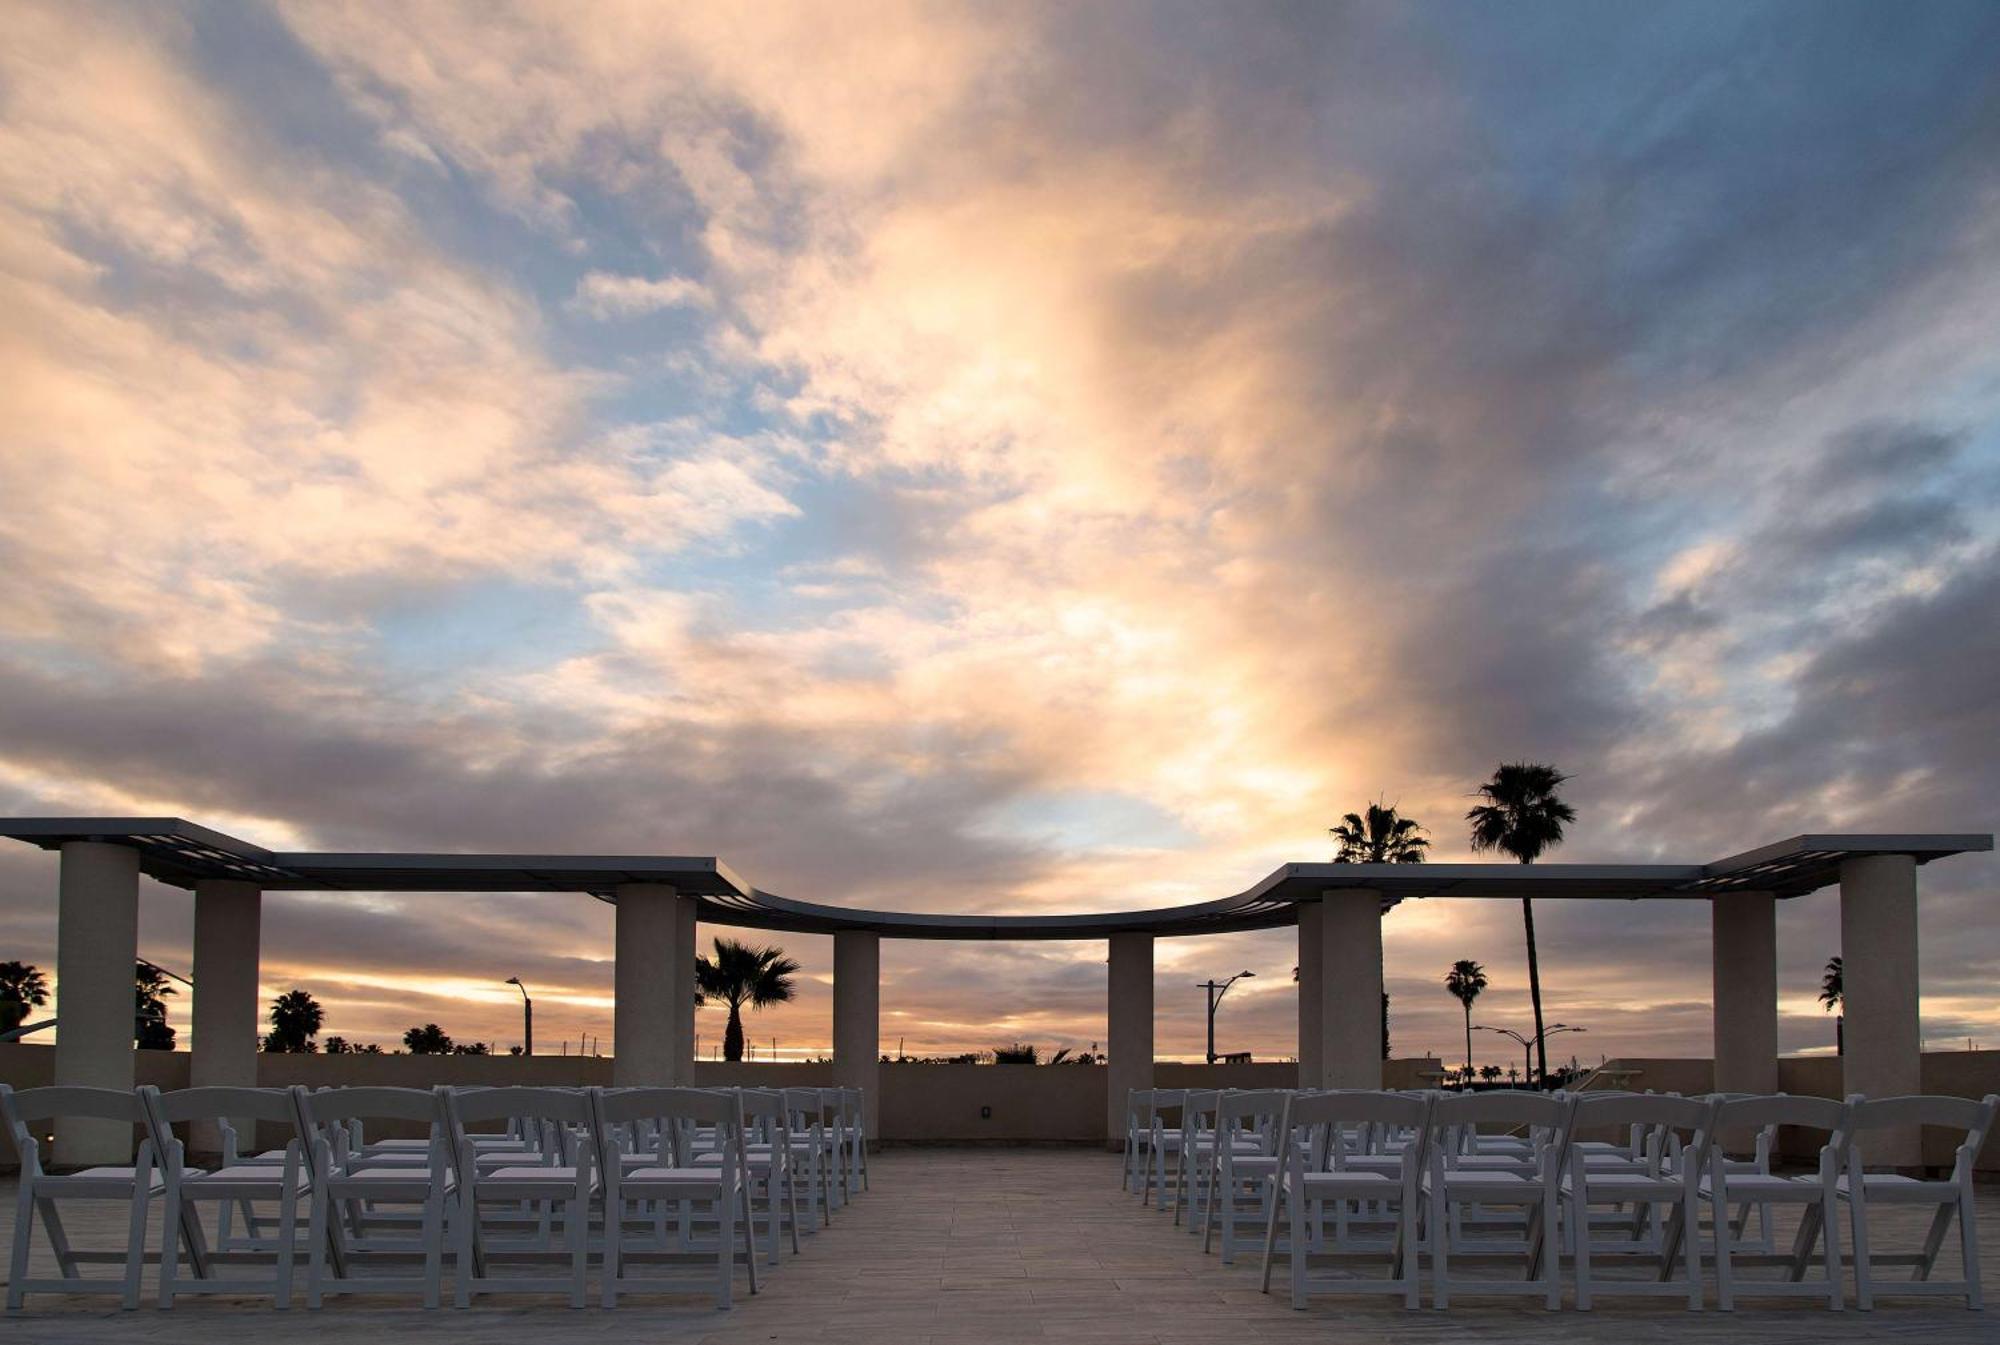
[295,1020]
[430,1039]
[1465,980]
[1522,817]
[1833,995]
[21,985]
[739,975]
[1381,836]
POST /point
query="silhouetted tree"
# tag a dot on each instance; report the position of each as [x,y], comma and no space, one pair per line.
[1020,1053]
[1523,817]
[295,1020]
[1833,996]
[151,1031]
[21,985]
[739,975]
[1465,980]
[1489,1072]
[338,1046]
[471,1048]
[1381,836]
[430,1039]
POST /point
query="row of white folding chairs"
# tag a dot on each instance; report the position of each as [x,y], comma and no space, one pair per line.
[1377,1175]
[396,1201]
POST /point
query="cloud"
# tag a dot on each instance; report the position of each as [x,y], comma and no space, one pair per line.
[1075,456]
[603,295]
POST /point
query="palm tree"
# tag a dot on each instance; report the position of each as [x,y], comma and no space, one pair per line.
[1382,836]
[151,1031]
[1465,980]
[295,1020]
[1833,995]
[1490,1073]
[430,1039]
[337,1045]
[21,985]
[739,975]
[1523,817]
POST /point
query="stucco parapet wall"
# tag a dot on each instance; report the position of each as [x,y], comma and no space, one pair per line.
[181,853]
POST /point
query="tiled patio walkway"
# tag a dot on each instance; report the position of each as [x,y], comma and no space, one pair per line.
[996,1245]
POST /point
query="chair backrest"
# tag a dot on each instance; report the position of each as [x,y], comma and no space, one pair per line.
[675,1112]
[1505,1107]
[1652,1110]
[218,1103]
[337,1106]
[1358,1109]
[1974,1120]
[1751,1111]
[550,1112]
[21,1107]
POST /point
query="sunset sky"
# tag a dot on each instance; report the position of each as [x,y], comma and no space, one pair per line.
[1004,458]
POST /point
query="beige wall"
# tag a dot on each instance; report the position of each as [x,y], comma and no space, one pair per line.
[1058,1104]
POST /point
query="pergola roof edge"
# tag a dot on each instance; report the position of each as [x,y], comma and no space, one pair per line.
[176,851]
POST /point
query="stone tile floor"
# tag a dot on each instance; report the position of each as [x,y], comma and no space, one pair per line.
[966,1245]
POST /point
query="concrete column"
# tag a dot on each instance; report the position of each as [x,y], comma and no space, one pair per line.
[1350,989]
[1878,943]
[1310,994]
[686,911]
[652,978]
[228,918]
[1745,956]
[1128,1032]
[857,1017]
[97,943]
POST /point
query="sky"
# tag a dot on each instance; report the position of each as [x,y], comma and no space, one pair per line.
[1004,458]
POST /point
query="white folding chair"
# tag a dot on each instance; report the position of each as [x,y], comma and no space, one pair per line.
[544,1181]
[1302,1191]
[805,1120]
[344,1235]
[1665,1172]
[1528,1179]
[1163,1143]
[1815,1193]
[854,1110]
[1949,1197]
[1138,1134]
[40,1191]
[1195,1171]
[677,1179]
[229,1187]
[1242,1155]
[769,1161]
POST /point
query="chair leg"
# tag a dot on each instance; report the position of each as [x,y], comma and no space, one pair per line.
[24,1228]
[135,1242]
[1271,1233]
[614,1236]
[1579,1217]
[749,1240]
[288,1241]
[1864,1286]
[1934,1239]
[434,1245]
[170,1243]
[1690,1245]
[576,1231]
[316,1234]
[1827,1213]
[1725,1245]
[1968,1247]
[1440,1250]
[725,1248]
[464,1265]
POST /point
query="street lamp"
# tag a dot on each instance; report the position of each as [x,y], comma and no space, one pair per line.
[1528,1043]
[527,1017]
[1216,990]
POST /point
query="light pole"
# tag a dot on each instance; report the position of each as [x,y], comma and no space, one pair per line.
[1216,990]
[527,1017]
[1528,1043]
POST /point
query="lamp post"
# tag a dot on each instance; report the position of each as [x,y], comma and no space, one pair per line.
[1528,1043]
[1216,990]
[527,1017]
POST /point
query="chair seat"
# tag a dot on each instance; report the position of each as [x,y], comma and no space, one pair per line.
[244,1175]
[114,1182]
[387,1183]
[696,1179]
[1766,1186]
[1332,1183]
[529,1182]
[1499,1186]
[1889,1187]
[1621,1187]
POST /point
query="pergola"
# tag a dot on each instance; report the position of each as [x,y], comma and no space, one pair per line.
[1337,909]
